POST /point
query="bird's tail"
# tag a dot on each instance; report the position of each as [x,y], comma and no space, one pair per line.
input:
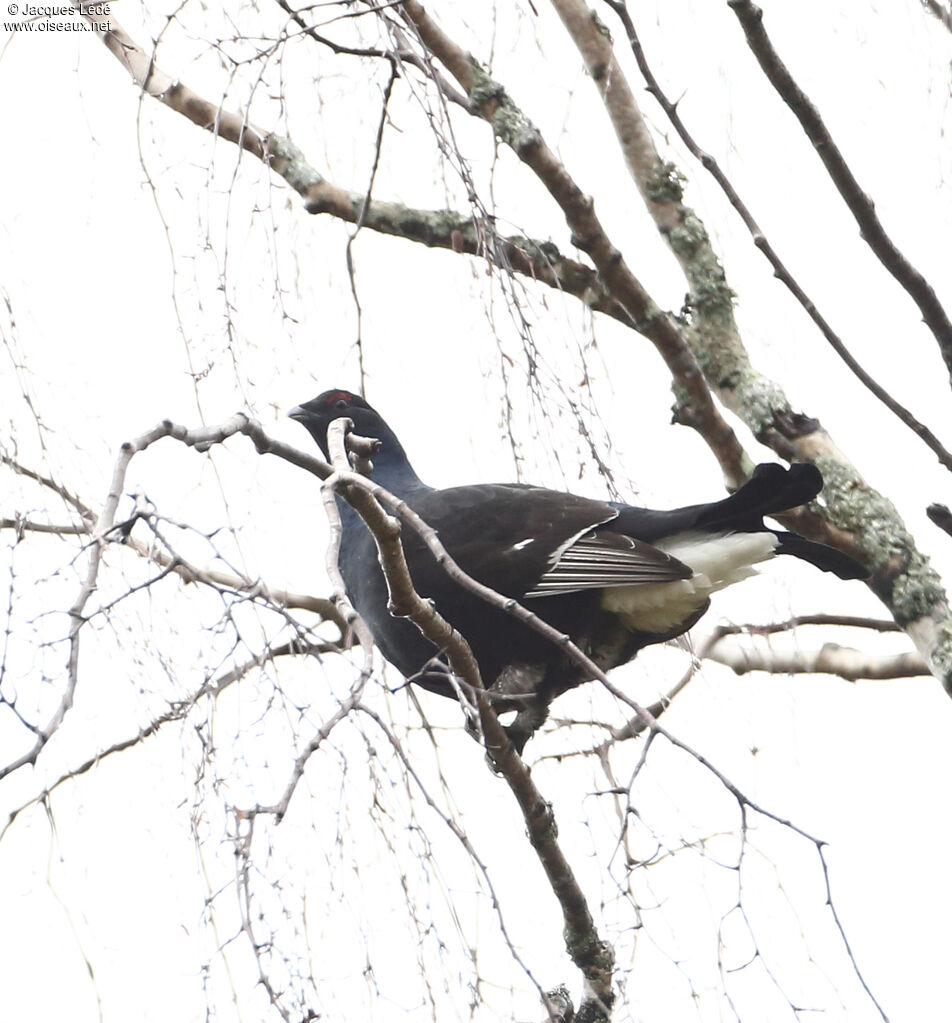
[821,555]
[770,490]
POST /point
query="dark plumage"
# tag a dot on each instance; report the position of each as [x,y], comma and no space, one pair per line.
[615,578]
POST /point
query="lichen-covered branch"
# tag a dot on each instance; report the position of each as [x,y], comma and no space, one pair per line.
[614,290]
[710,299]
[541,260]
[709,356]
[490,101]
[760,240]
[857,518]
[657,180]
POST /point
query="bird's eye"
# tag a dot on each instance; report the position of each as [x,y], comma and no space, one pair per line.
[341,403]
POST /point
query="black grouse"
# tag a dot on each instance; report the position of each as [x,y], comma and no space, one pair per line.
[615,578]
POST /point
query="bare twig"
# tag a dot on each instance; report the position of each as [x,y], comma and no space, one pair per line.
[937,10]
[362,216]
[86,513]
[639,723]
[101,536]
[176,712]
[940,515]
[460,836]
[798,621]
[21,525]
[490,101]
[397,57]
[782,273]
[104,524]
[589,952]
[857,201]
[592,957]
[164,558]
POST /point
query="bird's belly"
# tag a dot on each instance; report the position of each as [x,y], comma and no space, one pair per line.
[657,607]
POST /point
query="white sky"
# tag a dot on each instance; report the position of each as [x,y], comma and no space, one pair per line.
[90,258]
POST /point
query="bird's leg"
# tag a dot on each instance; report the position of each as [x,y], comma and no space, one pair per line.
[522,686]
[528,721]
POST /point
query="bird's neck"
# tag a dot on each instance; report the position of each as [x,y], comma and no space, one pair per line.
[393,472]
[392,469]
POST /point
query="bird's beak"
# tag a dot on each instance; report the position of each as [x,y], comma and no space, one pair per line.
[298,412]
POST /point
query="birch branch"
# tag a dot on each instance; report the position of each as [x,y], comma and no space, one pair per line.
[589,952]
[856,518]
[490,101]
[539,260]
[830,659]
[760,240]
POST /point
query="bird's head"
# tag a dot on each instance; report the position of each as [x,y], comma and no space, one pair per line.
[318,413]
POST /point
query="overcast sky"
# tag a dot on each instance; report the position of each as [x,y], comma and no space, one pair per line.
[141,284]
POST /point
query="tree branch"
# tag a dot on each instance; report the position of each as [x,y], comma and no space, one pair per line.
[830,659]
[589,952]
[22,525]
[857,519]
[940,516]
[85,512]
[490,101]
[857,201]
[781,272]
[798,621]
[435,228]
[902,577]
[105,525]
[165,559]
[937,10]
[593,957]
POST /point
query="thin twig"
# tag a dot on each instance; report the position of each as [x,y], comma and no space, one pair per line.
[857,201]
[594,957]
[937,10]
[781,272]
[590,953]
[940,515]
[490,101]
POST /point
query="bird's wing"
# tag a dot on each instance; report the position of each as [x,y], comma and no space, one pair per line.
[604,559]
[507,536]
[529,541]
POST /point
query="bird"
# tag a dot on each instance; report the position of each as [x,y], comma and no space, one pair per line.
[613,577]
